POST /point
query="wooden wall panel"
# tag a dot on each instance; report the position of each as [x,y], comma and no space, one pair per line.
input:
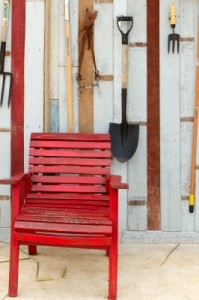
[170,128]
[139,206]
[137,112]
[63,115]
[103,95]
[86,94]
[119,8]
[34,71]
[153,116]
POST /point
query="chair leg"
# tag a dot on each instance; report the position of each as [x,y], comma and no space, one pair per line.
[113,270]
[32,250]
[14,266]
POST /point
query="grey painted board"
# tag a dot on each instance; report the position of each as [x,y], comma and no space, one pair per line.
[5,161]
[186,146]
[54,115]
[137,85]
[137,178]
[34,72]
[103,95]
[4,214]
[169,129]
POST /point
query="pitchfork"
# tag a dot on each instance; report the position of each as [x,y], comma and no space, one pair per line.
[6,13]
[173,37]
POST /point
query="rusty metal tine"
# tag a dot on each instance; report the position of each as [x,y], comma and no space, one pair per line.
[2,90]
[10,90]
[168,44]
[173,46]
[178,45]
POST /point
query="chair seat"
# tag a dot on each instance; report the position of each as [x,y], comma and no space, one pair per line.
[64,220]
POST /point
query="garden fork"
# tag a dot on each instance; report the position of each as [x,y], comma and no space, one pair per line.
[173,37]
[6,14]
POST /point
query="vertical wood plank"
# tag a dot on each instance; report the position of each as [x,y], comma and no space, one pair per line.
[171,206]
[137,110]
[103,95]
[34,72]
[47,67]
[153,119]
[86,94]
[17,105]
[120,8]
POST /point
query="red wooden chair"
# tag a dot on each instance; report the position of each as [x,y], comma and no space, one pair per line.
[68,198]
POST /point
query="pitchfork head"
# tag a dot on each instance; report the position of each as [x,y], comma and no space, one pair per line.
[173,38]
[5,77]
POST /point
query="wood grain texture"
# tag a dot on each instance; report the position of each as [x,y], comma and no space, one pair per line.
[86,94]
[17,64]
[47,68]
[153,109]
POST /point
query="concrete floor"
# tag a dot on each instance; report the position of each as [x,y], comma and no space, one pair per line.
[146,272]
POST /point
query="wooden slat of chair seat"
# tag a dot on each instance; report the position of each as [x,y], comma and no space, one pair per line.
[68,198]
[102,211]
[67,214]
[68,161]
[84,241]
[69,153]
[69,179]
[63,228]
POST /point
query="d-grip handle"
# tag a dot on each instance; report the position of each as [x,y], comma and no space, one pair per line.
[125,34]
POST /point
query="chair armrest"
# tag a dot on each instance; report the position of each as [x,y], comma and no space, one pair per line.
[19,177]
[115,182]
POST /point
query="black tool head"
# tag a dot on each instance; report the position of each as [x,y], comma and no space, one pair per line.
[172,38]
[123,146]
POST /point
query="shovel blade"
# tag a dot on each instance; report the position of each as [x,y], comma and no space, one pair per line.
[123,147]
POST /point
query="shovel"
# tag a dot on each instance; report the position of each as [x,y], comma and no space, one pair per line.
[6,13]
[124,137]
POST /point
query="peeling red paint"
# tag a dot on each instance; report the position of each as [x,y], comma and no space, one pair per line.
[17,101]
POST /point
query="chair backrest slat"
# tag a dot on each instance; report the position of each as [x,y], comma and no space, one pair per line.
[69,163]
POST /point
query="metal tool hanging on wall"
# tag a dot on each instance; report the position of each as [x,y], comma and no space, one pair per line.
[124,136]
[6,14]
[173,37]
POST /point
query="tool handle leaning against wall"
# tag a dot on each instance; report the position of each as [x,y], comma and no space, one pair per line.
[69,93]
[195,132]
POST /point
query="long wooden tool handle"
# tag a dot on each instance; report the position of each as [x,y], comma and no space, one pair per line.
[6,14]
[69,68]
[47,68]
[195,127]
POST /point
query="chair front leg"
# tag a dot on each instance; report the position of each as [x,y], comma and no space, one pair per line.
[14,266]
[113,271]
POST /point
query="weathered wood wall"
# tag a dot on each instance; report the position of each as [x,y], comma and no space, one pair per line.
[177,79]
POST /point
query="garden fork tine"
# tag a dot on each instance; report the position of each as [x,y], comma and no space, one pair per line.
[173,37]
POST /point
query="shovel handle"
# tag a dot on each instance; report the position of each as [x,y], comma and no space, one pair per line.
[125,34]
